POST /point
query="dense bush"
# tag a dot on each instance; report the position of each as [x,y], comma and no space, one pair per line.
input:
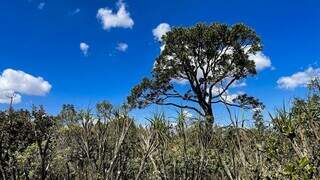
[106,143]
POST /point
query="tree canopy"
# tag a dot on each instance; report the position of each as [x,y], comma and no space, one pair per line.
[208,59]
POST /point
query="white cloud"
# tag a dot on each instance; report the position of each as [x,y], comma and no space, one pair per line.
[76,11]
[84,47]
[161,30]
[180,81]
[261,60]
[41,5]
[239,84]
[299,79]
[122,47]
[257,109]
[226,96]
[15,82]
[162,47]
[111,20]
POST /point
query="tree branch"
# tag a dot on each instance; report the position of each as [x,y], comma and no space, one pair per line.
[182,107]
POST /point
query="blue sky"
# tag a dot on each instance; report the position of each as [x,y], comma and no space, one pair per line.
[42,38]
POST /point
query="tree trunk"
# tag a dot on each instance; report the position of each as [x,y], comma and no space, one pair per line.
[209,120]
[208,115]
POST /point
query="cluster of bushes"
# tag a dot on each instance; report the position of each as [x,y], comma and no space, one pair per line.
[106,143]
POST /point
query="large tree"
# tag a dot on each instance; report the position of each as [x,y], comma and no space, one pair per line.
[208,59]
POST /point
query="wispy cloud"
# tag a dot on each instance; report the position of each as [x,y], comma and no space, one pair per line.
[74,12]
[41,5]
[122,47]
[84,47]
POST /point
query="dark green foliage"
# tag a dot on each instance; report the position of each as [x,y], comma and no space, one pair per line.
[207,58]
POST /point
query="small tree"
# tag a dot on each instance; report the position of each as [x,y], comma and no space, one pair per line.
[43,133]
[208,59]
